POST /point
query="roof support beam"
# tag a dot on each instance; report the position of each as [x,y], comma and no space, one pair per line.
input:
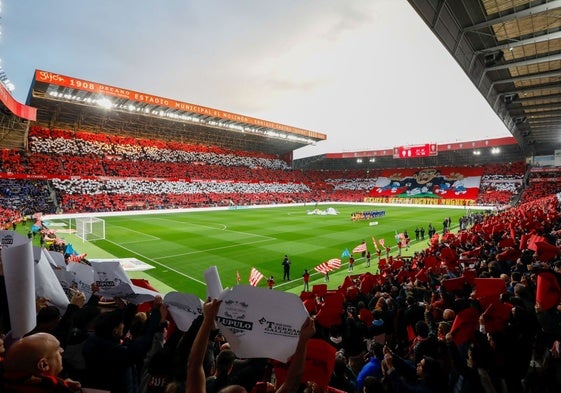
[516,43]
[527,77]
[546,120]
[537,106]
[533,115]
[525,62]
[540,98]
[520,63]
[531,89]
[516,15]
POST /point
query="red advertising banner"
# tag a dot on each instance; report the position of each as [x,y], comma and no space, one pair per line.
[84,85]
[426,150]
[481,144]
[18,109]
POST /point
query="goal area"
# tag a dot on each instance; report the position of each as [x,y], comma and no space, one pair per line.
[90,228]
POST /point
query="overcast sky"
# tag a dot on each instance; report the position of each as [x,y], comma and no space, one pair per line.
[367,73]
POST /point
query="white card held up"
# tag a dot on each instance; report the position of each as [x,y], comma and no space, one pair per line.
[260,323]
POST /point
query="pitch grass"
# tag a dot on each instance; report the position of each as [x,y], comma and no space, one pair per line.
[181,246]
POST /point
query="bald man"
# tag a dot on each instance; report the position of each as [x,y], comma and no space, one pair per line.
[35,362]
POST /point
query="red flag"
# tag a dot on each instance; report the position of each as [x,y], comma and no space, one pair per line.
[331,311]
[322,268]
[464,325]
[360,248]
[448,255]
[453,284]
[548,291]
[422,275]
[512,233]
[469,275]
[319,289]
[397,264]
[510,254]
[311,305]
[506,242]
[140,282]
[448,237]
[320,361]
[430,261]
[401,276]
[347,282]
[496,316]
[305,295]
[255,276]
[410,333]
[523,241]
[533,240]
[334,263]
[489,287]
[546,251]
[367,282]
[352,292]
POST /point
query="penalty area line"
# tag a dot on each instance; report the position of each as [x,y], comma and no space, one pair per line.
[213,249]
[158,263]
[150,237]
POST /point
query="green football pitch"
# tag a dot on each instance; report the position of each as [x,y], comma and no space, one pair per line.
[181,246]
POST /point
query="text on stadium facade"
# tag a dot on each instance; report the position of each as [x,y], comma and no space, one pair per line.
[75,83]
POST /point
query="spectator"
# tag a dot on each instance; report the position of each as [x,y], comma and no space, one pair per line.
[195,371]
[106,356]
[373,368]
[428,377]
[33,364]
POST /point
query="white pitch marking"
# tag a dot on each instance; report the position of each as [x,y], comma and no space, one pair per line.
[215,248]
[158,263]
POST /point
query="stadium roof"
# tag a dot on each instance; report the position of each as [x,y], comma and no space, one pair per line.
[511,51]
[78,104]
[488,151]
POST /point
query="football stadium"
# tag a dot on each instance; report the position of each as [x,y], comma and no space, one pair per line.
[157,245]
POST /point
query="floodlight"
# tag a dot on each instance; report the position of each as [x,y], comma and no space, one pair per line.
[105,103]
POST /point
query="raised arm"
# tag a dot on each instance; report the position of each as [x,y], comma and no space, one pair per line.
[196,380]
[296,368]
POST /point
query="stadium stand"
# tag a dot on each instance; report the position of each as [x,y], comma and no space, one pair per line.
[478,310]
[62,154]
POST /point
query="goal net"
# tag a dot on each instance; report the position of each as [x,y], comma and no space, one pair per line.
[90,228]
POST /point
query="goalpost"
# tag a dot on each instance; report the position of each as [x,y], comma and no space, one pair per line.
[90,228]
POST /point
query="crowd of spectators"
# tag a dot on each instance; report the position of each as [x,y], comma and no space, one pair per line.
[26,196]
[429,311]
[542,181]
[500,183]
[475,311]
[122,193]
[113,173]
[85,155]
[9,218]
